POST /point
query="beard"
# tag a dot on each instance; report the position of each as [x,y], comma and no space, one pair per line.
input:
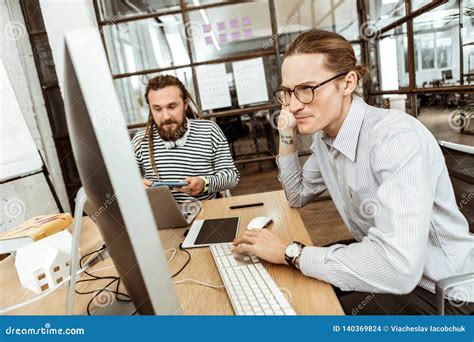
[175,134]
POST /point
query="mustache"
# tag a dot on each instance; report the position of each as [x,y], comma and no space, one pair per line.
[168,122]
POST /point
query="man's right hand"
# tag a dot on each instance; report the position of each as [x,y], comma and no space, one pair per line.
[287,130]
[147,182]
[286,121]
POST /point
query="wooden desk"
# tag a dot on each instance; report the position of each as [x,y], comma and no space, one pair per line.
[307,296]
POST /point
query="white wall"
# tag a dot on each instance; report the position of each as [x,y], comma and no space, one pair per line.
[30,196]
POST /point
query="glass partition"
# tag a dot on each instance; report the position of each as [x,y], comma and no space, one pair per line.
[229,30]
[110,11]
[436,38]
[294,17]
[389,60]
[146,44]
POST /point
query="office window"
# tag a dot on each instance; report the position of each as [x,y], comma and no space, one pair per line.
[357,52]
[110,11]
[436,38]
[417,4]
[146,44]
[229,30]
[388,57]
[468,41]
[294,17]
[384,12]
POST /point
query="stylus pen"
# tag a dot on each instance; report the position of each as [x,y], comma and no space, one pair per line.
[246,205]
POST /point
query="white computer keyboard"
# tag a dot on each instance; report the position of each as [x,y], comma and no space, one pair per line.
[250,288]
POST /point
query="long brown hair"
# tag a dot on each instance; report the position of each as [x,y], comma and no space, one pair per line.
[160,82]
[340,56]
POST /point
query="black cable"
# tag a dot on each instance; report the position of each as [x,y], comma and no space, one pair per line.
[185,264]
[97,292]
[114,279]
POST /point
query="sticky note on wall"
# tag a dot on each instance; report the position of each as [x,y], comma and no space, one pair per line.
[246,21]
[223,38]
[236,35]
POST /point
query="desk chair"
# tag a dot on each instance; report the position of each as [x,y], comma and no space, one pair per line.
[456,154]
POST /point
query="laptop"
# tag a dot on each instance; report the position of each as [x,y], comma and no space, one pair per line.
[168,213]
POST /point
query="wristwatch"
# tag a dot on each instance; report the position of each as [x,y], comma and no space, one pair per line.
[292,252]
[206,184]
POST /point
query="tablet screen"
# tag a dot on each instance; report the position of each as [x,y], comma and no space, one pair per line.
[217,231]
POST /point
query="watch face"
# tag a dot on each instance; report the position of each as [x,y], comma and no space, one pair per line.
[292,250]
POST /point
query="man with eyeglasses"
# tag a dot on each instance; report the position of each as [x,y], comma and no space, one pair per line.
[387,178]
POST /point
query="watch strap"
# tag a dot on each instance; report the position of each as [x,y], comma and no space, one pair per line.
[292,260]
[206,184]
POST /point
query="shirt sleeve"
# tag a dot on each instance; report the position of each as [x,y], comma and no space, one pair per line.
[225,174]
[137,152]
[391,257]
[301,185]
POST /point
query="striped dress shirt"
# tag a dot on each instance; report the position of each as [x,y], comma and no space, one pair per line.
[204,153]
[387,177]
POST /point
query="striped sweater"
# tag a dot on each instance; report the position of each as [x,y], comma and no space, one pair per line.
[205,153]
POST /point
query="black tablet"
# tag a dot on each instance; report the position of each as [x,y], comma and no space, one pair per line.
[206,232]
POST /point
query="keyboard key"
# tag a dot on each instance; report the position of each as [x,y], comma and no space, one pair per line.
[281,299]
[232,260]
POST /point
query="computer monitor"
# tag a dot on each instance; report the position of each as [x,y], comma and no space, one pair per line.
[110,176]
[447,74]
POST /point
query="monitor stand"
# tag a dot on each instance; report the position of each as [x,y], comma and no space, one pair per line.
[115,309]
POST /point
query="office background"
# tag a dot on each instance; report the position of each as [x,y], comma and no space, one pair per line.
[420,54]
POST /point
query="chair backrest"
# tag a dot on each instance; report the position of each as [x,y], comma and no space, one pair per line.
[460,163]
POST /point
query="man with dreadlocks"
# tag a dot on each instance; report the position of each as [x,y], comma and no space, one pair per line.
[177,145]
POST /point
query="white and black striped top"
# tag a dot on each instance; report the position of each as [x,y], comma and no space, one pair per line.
[205,153]
[387,177]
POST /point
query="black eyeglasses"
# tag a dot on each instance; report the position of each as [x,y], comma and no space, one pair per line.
[304,93]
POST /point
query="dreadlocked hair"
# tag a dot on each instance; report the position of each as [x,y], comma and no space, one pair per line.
[192,112]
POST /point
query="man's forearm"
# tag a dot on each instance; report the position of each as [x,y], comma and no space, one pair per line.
[288,142]
[223,180]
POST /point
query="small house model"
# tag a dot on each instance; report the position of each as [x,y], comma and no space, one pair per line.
[44,264]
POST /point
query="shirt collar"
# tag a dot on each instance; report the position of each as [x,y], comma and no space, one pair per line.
[348,135]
